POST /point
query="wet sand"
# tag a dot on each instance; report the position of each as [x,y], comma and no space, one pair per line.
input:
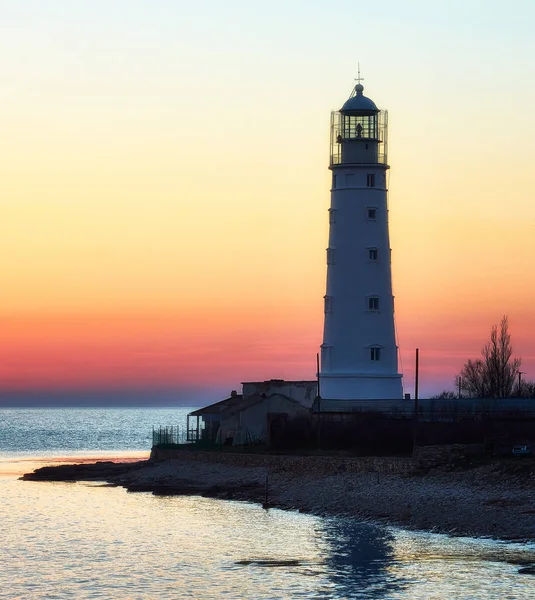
[17,466]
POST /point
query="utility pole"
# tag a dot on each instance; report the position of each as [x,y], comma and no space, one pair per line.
[416,378]
[416,395]
[318,374]
[318,399]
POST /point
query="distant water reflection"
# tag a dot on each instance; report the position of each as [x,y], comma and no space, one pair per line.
[84,541]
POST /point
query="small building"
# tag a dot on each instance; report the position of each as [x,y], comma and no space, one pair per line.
[208,419]
[257,415]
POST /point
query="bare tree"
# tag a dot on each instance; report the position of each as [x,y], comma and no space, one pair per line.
[526,389]
[494,375]
[444,395]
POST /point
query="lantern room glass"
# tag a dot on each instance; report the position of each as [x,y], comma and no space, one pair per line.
[359,138]
[359,126]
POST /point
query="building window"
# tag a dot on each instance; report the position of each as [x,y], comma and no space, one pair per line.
[332,216]
[370,180]
[373,254]
[372,214]
[330,256]
[334,182]
[373,303]
[328,305]
[375,353]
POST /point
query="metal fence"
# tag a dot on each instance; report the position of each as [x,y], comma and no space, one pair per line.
[170,434]
[433,409]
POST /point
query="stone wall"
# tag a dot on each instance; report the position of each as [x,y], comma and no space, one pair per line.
[428,457]
[296,464]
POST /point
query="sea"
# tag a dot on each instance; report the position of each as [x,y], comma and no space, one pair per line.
[87,540]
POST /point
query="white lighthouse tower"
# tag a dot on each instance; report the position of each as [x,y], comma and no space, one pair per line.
[359,355]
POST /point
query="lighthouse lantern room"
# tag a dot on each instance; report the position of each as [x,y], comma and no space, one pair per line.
[359,355]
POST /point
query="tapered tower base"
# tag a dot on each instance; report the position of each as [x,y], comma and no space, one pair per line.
[360,387]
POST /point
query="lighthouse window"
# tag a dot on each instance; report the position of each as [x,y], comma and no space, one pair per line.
[359,126]
[370,180]
[372,213]
[332,216]
[330,256]
[327,305]
[373,254]
[334,182]
[373,303]
[325,357]
[375,353]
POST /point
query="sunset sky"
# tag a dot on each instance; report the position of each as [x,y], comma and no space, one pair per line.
[164,186]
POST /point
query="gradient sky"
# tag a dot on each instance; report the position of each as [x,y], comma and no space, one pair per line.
[164,185]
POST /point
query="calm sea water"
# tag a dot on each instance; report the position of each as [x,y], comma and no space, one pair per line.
[70,431]
[82,540]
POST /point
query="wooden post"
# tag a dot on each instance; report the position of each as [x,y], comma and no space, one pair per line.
[266,499]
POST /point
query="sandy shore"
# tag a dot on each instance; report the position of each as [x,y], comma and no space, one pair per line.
[486,500]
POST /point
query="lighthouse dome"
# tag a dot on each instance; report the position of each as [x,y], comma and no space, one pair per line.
[358,102]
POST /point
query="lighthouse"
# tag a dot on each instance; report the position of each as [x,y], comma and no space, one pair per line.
[359,354]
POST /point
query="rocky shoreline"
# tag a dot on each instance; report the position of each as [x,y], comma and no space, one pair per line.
[487,500]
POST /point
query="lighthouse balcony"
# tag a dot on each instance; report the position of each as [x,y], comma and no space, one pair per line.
[339,158]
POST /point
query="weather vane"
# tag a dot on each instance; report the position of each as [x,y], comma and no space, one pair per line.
[359,78]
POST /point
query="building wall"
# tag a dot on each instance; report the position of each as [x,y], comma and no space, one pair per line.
[303,392]
[252,423]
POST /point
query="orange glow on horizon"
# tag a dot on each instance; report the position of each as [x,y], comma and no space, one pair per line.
[164,211]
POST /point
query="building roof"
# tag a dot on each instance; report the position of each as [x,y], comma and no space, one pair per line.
[218,407]
[359,103]
[280,381]
[238,403]
[255,399]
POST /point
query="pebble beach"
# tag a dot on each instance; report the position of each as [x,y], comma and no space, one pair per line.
[484,501]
